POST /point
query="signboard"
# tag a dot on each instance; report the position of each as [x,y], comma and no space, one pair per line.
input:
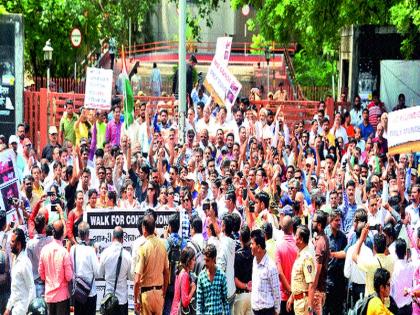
[223,48]
[75,37]
[404,130]
[103,221]
[11,73]
[9,188]
[98,90]
[222,84]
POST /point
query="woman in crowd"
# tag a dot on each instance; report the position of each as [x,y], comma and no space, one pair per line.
[152,197]
[184,286]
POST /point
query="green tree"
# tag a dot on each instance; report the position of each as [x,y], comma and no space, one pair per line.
[97,20]
[316,24]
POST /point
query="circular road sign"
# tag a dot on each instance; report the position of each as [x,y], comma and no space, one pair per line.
[245,10]
[75,37]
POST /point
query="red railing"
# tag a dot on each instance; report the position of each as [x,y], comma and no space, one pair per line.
[43,109]
[203,47]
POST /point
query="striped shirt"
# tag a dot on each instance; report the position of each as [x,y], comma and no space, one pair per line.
[265,285]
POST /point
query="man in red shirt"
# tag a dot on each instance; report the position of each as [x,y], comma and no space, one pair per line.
[285,257]
[56,270]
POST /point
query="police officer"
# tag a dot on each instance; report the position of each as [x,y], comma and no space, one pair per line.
[303,275]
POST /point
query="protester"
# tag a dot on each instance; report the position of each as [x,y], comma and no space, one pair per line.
[308,186]
[22,287]
[265,295]
[85,265]
[111,257]
[212,286]
[184,286]
[56,271]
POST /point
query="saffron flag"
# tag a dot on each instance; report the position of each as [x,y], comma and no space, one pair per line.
[128,95]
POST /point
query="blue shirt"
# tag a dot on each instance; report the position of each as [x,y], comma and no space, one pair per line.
[366,131]
[347,214]
[174,238]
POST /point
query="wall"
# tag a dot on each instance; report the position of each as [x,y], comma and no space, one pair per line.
[225,20]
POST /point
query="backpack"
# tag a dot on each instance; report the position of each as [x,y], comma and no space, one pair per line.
[361,306]
[199,258]
[4,262]
[174,255]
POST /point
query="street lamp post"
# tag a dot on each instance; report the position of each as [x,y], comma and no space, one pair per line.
[267,54]
[48,50]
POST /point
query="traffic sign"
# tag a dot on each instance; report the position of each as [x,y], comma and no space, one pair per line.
[75,37]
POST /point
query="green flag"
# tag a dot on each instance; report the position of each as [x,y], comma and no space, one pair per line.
[128,96]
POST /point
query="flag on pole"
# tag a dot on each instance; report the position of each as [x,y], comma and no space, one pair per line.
[128,94]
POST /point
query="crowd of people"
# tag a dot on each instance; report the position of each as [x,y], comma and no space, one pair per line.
[268,216]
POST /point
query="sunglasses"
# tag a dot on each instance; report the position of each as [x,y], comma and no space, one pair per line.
[185,200]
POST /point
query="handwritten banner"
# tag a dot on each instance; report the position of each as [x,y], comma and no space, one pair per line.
[404,130]
[98,90]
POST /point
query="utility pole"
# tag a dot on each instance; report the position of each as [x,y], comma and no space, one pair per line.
[182,71]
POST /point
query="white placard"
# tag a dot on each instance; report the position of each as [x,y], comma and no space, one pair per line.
[223,48]
[98,90]
[222,84]
[404,126]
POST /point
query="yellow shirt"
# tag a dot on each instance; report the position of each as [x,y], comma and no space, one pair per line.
[82,131]
[370,264]
[376,307]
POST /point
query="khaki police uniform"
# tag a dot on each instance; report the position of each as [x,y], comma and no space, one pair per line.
[303,273]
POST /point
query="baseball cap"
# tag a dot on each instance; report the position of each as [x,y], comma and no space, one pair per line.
[52,130]
[13,139]
[413,172]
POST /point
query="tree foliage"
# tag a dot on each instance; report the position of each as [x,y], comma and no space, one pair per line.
[316,24]
[97,20]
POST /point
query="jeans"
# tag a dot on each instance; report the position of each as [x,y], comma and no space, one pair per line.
[264,311]
[59,308]
[39,288]
[89,308]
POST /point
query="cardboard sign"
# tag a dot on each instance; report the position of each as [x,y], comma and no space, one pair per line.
[98,90]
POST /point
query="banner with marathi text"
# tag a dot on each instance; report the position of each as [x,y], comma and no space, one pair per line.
[404,130]
[102,221]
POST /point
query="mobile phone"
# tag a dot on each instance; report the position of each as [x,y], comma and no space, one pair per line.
[53,207]
[12,225]
[374,227]
[244,193]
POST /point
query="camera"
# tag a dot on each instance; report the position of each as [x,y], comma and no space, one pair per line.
[12,201]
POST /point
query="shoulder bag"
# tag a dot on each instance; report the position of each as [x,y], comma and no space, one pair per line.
[81,289]
[110,303]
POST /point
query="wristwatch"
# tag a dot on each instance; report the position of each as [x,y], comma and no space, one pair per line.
[310,310]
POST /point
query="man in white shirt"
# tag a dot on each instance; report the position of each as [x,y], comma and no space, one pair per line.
[22,287]
[226,257]
[402,278]
[108,269]
[265,294]
[413,208]
[33,250]
[230,205]
[357,277]
[85,265]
